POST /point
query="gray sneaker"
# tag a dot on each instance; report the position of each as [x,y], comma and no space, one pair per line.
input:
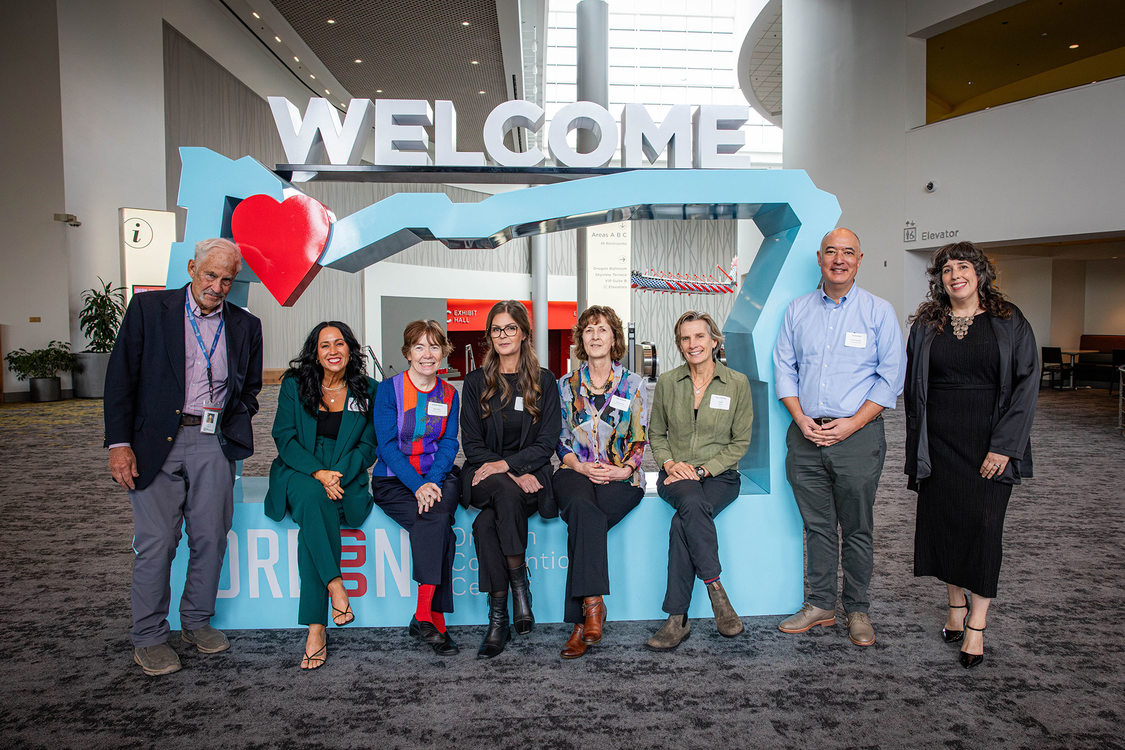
[859,629]
[807,619]
[157,660]
[675,631]
[207,639]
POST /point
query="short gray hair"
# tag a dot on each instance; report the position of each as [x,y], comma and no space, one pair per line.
[203,248]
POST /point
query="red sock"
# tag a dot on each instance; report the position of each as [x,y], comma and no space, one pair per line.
[439,621]
[425,598]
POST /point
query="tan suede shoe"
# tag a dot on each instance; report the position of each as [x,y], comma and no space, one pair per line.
[675,631]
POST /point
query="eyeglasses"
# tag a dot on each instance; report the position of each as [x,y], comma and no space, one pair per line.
[508,330]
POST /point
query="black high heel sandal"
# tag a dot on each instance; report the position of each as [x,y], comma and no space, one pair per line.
[954,636]
[968,661]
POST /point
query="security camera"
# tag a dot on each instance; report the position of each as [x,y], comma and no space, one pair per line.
[930,187]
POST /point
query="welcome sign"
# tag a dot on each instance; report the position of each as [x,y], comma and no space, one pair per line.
[703,137]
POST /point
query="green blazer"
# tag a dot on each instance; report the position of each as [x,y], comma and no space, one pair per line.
[294,432]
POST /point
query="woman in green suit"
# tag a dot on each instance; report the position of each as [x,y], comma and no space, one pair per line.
[325,445]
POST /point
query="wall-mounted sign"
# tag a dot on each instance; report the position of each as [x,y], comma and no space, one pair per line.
[609,258]
[146,244]
[704,137]
[471,314]
[911,233]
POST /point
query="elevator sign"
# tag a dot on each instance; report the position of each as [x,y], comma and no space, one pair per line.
[703,137]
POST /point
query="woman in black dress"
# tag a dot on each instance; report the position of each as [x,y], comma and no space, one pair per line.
[972,380]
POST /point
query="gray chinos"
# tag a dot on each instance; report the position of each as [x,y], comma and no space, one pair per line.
[194,489]
[835,486]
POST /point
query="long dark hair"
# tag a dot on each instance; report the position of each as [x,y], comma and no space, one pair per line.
[528,368]
[935,309]
[308,373]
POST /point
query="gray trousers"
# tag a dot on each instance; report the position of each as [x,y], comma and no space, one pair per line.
[835,487]
[693,543]
[194,489]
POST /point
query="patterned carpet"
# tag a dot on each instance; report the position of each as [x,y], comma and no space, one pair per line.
[1055,643]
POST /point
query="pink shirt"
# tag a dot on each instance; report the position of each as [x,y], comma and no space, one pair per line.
[196,393]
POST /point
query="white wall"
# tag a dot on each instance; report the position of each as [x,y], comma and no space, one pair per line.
[1068,304]
[1052,166]
[111,72]
[848,66]
[1027,283]
[33,255]
[1105,297]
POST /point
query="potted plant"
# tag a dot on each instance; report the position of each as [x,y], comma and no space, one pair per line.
[42,367]
[100,317]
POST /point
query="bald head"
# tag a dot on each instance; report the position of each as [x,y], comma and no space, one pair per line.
[839,259]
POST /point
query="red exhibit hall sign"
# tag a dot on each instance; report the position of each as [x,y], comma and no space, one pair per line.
[471,314]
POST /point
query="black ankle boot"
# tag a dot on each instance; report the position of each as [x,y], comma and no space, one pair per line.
[522,617]
[498,633]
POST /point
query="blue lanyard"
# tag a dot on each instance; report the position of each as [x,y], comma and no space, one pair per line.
[206,354]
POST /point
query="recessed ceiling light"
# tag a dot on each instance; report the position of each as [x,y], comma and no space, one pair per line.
[331,20]
[277,39]
[970,83]
[358,61]
[329,93]
[1074,46]
[378,91]
[255,14]
[481,91]
[464,23]
[474,62]
[312,76]
[296,59]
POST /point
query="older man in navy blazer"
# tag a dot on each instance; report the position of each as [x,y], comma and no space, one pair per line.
[181,388]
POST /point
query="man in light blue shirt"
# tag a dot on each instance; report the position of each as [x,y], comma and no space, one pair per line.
[838,362]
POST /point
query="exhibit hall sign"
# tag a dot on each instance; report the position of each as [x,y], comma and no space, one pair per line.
[704,137]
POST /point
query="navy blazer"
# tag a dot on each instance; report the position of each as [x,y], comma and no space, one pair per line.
[483,439]
[144,383]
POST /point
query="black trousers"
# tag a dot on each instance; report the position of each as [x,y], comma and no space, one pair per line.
[432,542]
[693,545]
[500,529]
[590,511]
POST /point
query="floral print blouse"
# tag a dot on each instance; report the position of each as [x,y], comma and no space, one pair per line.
[614,434]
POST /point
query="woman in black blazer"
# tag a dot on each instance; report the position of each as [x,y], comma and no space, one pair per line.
[325,445]
[510,424]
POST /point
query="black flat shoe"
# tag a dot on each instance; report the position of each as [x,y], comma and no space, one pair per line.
[955,636]
[427,632]
[968,661]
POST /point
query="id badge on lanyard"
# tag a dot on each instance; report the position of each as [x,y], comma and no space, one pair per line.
[210,423]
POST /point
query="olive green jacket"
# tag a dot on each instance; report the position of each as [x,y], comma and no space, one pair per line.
[718,438]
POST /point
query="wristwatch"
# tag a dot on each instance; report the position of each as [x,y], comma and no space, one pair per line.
[701,472]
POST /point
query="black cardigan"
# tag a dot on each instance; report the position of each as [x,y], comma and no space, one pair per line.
[1014,409]
[482,439]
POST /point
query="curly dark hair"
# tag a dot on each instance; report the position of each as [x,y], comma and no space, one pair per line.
[528,379]
[936,308]
[308,373]
[592,314]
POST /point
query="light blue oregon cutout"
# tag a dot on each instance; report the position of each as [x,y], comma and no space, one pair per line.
[760,538]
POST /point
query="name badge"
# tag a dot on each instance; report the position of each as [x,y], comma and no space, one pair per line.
[437,409]
[720,402]
[518,405]
[622,404]
[855,340]
[352,404]
[210,421]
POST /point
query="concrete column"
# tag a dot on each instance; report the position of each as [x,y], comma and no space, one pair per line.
[539,297]
[593,86]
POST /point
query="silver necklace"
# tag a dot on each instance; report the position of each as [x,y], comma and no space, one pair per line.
[961,325]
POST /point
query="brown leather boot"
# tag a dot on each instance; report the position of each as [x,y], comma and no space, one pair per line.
[574,647]
[593,607]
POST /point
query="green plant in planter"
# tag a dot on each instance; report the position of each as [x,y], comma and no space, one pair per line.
[41,363]
[101,313]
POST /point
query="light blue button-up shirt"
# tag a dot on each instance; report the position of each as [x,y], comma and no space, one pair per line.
[835,356]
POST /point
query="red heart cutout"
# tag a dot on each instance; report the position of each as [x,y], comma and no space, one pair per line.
[281,242]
